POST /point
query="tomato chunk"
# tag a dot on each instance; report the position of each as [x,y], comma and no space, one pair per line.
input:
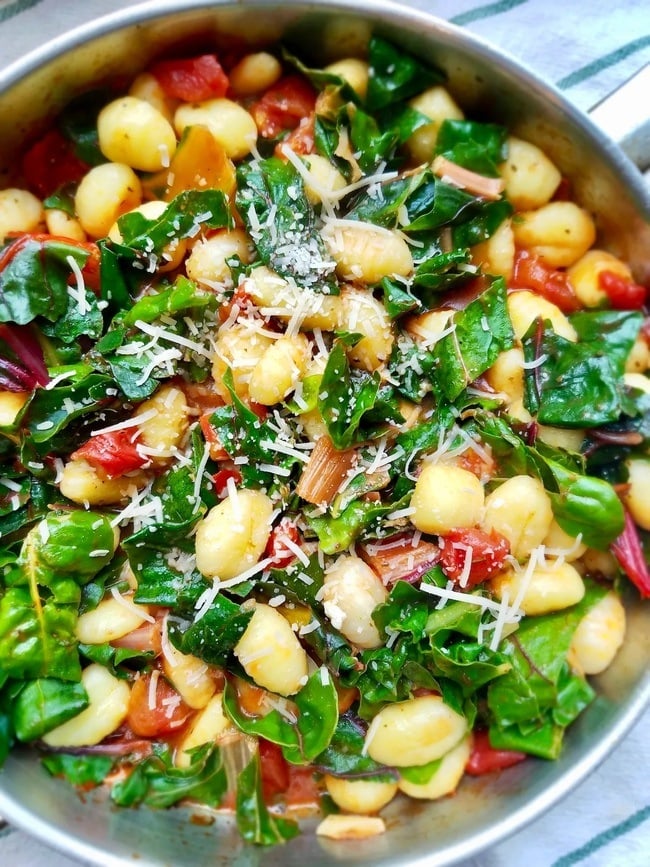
[484,759]
[275,771]
[301,139]
[623,294]
[488,552]
[303,790]
[277,548]
[210,435]
[155,708]
[221,479]
[531,273]
[51,163]
[192,79]
[283,106]
[114,453]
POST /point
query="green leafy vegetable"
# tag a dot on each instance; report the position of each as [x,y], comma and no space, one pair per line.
[481,331]
[354,405]
[580,384]
[35,280]
[255,823]
[480,147]
[45,704]
[272,202]
[395,75]
[189,209]
[156,782]
[79,770]
[306,737]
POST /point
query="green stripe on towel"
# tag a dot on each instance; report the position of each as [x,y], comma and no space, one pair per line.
[604,838]
[16,8]
[604,62]
[486,11]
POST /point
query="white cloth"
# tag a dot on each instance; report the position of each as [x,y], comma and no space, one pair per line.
[588,50]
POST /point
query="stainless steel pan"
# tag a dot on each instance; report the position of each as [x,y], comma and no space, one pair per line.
[488,84]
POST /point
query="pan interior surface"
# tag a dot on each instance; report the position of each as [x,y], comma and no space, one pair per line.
[487,85]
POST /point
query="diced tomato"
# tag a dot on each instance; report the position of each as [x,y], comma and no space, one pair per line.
[217,451]
[259,409]
[531,273]
[488,551]
[275,770]
[484,759]
[155,709]
[240,299]
[301,139]
[114,453]
[283,106]
[623,294]
[303,790]
[481,465]
[192,79]
[51,163]
[221,479]
[277,549]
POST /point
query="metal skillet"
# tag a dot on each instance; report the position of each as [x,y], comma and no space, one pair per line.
[487,84]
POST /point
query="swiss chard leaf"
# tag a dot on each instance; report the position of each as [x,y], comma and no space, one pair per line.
[189,209]
[482,331]
[182,297]
[79,319]
[396,75]
[45,704]
[336,533]
[156,782]
[480,147]
[315,723]
[53,410]
[536,685]
[37,641]
[344,756]
[243,434]
[35,280]
[272,202]
[213,636]
[353,404]
[255,823]
[114,658]
[79,770]
[580,384]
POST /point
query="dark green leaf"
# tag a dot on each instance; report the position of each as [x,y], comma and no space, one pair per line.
[45,704]
[482,331]
[191,208]
[344,757]
[79,770]
[272,202]
[480,147]
[255,823]
[35,280]
[353,404]
[156,782]
[395,75]
[183,296]
[580,384]
[309,735]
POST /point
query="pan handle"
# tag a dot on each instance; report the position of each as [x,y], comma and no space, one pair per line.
[621,116]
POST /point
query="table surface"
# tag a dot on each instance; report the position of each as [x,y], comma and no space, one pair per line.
[588,51]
